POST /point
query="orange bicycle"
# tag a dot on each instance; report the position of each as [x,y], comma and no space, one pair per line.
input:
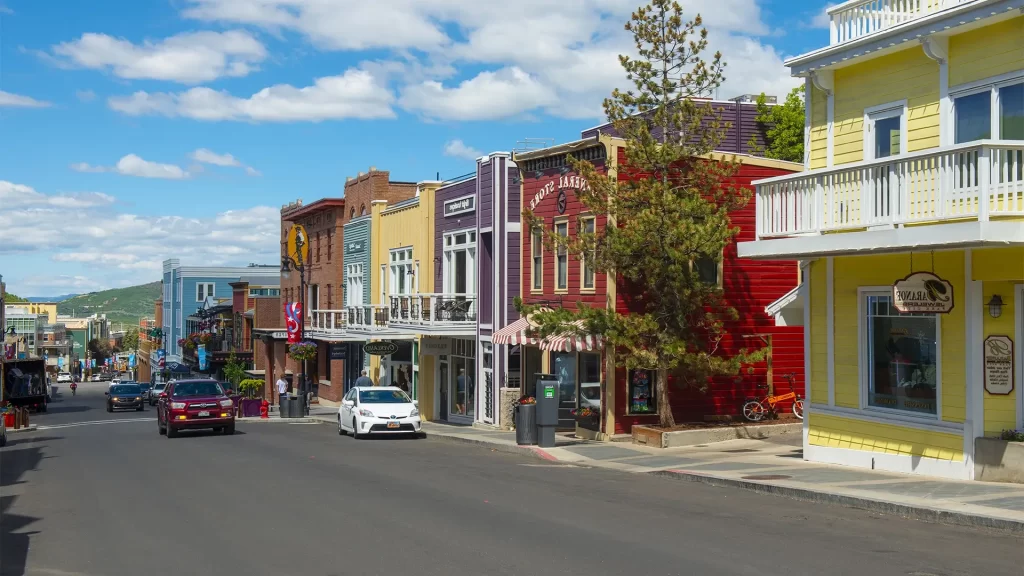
[756,410]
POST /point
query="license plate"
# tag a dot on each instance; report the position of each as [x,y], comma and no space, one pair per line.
[204,414]
[393,424]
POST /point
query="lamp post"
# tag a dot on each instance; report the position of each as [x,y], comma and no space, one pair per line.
[295,261]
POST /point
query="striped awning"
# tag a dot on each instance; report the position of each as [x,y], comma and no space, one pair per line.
[517,333]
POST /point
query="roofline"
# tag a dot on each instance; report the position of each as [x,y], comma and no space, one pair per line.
[557,149]
[710,100]
[317,206]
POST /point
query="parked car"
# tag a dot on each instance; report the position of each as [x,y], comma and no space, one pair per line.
[146,389]
[369,410]
[194,404]
[115,380]
[154,393]
[121,396]
[63,378]
[95,378]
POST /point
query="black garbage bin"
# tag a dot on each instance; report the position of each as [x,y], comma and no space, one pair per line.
[285,407]
[526,424]
[295,407]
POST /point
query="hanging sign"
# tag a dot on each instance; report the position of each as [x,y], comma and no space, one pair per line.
[999,365]
[338,351]
[923,292]
[201,353]
[435,346]
[459,206]
[292,317]
[380,348]
[298,244]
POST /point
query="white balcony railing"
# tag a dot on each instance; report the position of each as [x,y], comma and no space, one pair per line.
[430,309]
[927,186]
[368,318]
[327,321]
[857,18]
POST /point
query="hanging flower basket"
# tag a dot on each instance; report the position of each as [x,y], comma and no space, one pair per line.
[205,338]
[305,350]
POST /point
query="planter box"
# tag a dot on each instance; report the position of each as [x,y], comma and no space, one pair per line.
[998,460]
[661,439]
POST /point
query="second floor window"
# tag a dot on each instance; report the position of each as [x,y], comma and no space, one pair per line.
[537,252]
[973,113]
[460,262]
[561,258]
[354,285]
[401,272]
[587,226]
[204,290]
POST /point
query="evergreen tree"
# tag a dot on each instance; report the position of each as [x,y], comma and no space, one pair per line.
[668,212]
[784,127]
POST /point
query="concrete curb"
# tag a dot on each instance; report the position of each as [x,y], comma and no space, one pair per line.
[307,420]
[533,451]
[645,436]
[29,428]
[908,511]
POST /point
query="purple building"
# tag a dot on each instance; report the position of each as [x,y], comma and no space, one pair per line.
[477,239]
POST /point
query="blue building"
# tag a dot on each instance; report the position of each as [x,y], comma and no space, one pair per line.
[186,288]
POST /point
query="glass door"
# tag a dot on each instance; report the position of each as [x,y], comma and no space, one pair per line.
[563,366]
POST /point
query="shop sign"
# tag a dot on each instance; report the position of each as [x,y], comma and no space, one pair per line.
[459,206]
[351,247]
[380,348]
[923,292]
[435,346]
[998,365]
[569,181]
[338,351]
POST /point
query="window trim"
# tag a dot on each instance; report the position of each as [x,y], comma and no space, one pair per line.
[882,112]
[207,294]
[863,375]
[583,261]
[397,266]
[721,268]
[992,85]
[554,228]
[448,248]
[537,261]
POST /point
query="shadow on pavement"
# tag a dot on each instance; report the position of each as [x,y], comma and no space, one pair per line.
[14,464]
[18,441]
[57,409]
[201,433]
[14,546]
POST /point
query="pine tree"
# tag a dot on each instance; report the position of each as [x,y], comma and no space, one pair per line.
[668,212]
[784,127]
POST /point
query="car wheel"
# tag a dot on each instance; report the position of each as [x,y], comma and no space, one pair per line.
[341,431]
[141,408]
[110,408]
[160,428]
[171,432]
[229,430]
[355,429]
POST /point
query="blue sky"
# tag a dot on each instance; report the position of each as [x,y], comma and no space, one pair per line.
[140,130]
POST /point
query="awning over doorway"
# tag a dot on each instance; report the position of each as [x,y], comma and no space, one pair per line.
[518,333]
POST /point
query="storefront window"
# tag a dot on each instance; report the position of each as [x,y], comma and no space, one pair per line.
[903,364]
[640,391]
[590,381]
[463,373]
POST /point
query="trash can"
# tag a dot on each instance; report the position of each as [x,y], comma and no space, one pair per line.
[295,408]
[285,407]
[526,424]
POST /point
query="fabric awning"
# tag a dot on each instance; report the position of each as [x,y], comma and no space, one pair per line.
[517,333]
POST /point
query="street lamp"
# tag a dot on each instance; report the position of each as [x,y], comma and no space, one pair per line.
[295,261]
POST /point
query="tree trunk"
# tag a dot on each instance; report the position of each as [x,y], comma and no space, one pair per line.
[664,408]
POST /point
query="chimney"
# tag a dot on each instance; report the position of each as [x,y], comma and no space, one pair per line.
[373,168]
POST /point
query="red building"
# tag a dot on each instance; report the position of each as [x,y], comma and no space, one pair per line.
[587,372]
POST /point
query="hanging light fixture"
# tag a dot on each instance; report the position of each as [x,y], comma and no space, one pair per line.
[995,306]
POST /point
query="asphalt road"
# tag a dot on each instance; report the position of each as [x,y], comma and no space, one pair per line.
[115,498]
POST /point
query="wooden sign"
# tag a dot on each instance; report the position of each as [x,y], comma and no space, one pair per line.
[380,348]
[922,292]
[999,365]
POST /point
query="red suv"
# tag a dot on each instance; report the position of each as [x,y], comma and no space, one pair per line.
[193,404]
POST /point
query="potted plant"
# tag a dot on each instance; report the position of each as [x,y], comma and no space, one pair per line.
[587,418]
[305,350]
[252,390]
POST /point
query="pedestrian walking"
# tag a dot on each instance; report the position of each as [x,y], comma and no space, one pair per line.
[282,388]
[363,379]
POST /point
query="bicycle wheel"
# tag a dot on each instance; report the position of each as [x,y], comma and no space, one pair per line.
[753,411]
[798,408]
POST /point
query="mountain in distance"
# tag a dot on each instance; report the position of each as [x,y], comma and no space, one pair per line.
[50,298]
[121,305]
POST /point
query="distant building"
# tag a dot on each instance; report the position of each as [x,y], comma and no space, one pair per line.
[28,331]
[48,308]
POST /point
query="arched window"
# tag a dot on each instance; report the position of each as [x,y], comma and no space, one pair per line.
[352,214]
[362,210]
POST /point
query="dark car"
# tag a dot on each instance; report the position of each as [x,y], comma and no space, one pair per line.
[194,404]
[121,396]
[146,389]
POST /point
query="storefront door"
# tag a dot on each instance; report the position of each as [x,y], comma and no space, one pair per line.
[1019,360]
[461,381]
[353,363]
[442,379]
[563,365]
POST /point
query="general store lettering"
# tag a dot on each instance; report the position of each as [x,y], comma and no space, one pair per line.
[573,181]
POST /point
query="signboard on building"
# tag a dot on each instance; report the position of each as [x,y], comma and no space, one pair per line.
[922,292]
[380,348]
[435,346]
[459,206]
[337,351]
[351,247]
[999,365]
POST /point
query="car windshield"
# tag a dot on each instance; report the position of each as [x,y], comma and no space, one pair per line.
[383,397]
[160,386]
[126,389]
[144,386]
[184,389]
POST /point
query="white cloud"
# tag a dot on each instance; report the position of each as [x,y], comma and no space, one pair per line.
[133,165]
[354,94]
[252,171]
[33,228]
[189,58]
[458,149]
[210,157]
[85,95]
[821,19]
[18,101]
[489,96]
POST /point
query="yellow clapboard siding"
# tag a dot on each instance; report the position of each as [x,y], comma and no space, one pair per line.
[986,52]
[1000,410]
[909,75]
[819,129]
[819,343]
[839,432]
[998,264]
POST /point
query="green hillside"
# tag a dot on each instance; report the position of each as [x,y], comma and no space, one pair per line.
[125,305]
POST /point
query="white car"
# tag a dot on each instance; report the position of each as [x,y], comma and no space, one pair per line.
[369,410]
[63,378]
[115,380]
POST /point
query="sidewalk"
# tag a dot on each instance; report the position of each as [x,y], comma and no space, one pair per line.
[771,467]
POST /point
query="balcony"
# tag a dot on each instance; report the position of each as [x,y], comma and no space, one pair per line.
[370,318]
[432,313]
[974,182]
[327,323]
[859,18]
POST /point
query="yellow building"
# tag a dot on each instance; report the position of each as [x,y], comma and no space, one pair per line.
[910,218]
[48,308]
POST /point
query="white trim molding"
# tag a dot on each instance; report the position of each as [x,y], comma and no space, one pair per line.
[1018,310]
[830,327]
[917,465]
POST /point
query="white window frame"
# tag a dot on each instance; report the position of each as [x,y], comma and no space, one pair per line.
[882,112]
[864,373]
[584,267]
[991,85]
[312,299]
[400,262]
[560,253]
[450,248]
[211,290]
[354,279]
[537,260]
